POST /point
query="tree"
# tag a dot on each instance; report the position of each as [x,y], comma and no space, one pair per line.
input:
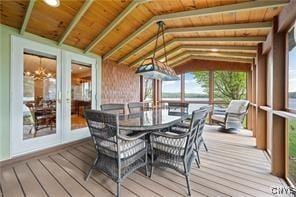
[228,85]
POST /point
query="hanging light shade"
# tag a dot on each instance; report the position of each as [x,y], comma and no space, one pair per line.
[155,69]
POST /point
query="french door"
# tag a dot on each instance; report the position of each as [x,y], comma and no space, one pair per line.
[50,89]
[79,93]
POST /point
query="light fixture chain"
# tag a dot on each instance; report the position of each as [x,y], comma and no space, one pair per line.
[156,43]
[164,45]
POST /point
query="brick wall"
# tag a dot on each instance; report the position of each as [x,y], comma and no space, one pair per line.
[120,84]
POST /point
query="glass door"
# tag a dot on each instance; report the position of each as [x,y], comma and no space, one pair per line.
[35,96]
[79,94]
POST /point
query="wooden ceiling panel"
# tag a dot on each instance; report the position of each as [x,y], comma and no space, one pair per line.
[132,22]
[99,16]
[124,51]
[51,22]
[222,43]
[13,12]
[151,48]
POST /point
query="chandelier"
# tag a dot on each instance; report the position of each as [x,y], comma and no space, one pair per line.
[39,74]
[155,69]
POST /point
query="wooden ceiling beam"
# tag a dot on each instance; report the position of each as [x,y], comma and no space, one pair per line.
[256,39]
[223,54]
[114,23]
[219,28]
[186,56]
[75,20]
[200,40]
[225,59]
[181,61]
[27,16]
[232,56]
[192,50]
[211,28]
[238,7]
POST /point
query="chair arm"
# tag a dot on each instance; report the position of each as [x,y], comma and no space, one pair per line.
[167,135]
[236,114]
[219,111]
[136,136]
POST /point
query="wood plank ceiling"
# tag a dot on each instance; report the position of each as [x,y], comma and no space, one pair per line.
[124,30]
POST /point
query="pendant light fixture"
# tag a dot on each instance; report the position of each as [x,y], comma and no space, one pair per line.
[155,69]
[39,74]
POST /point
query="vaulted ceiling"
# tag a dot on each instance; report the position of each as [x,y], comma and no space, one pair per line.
[124,30]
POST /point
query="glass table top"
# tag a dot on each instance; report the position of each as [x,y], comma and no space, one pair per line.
[152,119]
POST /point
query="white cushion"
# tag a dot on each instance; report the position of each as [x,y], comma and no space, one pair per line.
[169,145]
[127,148]
[237,106]
[219,118]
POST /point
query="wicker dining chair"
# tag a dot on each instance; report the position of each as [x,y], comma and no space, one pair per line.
[176,151]
[113,108]
[135,107]
[184,126]
[117,155]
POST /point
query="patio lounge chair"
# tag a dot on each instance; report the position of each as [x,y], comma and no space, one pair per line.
[233,116]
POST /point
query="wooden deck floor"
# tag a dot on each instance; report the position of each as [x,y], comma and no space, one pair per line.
[232,167]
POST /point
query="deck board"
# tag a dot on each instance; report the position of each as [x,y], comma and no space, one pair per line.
[232,167]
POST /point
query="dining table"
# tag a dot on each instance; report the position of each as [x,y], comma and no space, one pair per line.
[153,119]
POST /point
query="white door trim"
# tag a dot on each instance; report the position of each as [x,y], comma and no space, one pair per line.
[68,57]
[17,144]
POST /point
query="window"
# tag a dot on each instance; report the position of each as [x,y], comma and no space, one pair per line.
[291,104]
[229,86]
[197,86]
[148,89]
[171,90]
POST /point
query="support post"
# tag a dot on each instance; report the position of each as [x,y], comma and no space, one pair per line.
[141,89]
[249,97]
[278,100]
[261,99]
[253,108]
[154,95]
[211,93]
[182,87]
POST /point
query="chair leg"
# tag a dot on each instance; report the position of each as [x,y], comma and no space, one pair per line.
[118,189]
[91,169]
[152,167]
[146,166]
[198,159]
[188,185]
[205,146]
[152,157]
[197,163]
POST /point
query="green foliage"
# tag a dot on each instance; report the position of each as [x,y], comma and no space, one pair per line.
[228,85]
[292,138]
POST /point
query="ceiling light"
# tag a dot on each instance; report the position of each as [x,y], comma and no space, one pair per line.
[214,50]
[52,3]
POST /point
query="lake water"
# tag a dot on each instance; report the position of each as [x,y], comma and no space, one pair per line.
[292,103]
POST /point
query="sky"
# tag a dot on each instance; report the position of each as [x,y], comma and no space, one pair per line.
[175,86]
[292,70]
